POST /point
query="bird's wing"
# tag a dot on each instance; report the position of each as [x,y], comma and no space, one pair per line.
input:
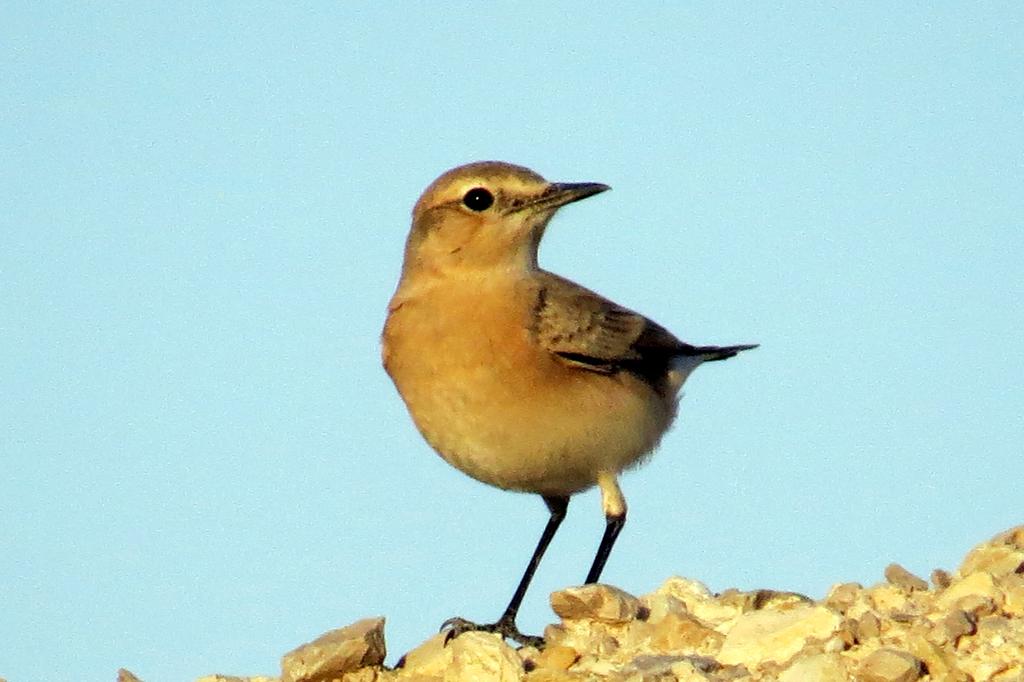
[589,331]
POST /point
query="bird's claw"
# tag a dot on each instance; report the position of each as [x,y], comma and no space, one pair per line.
[456,626]
[505,627]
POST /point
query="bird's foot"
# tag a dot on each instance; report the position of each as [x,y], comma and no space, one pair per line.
[506,627]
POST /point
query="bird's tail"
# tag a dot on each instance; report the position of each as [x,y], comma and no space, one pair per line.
[712,353]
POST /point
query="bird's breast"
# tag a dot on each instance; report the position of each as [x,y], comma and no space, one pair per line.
[499,407]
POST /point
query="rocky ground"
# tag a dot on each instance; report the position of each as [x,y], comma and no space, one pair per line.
[968,625]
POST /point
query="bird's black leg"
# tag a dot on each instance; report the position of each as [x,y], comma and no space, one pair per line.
[506,625]
[613,524]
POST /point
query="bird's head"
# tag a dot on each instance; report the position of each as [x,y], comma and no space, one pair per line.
[486,215]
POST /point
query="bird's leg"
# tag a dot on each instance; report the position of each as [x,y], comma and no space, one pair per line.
[506,625]
[613,524]
[614,505]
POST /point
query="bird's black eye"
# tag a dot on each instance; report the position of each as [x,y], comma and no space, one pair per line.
[478,199]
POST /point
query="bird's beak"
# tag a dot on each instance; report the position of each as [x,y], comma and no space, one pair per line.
[561,193]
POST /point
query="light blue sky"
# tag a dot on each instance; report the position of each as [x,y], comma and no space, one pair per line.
[203,213]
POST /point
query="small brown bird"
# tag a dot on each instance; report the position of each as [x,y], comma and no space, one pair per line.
[520,378]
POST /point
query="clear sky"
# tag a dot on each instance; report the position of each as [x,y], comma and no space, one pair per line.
[203,213]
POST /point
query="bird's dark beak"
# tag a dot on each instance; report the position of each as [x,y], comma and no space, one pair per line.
[561,193]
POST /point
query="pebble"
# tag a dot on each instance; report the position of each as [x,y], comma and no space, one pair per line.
[941,579]
[889,665]
[901,577]
[337,652]
[825,667]
[602,603]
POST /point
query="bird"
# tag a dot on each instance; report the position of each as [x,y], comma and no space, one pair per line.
[516,376]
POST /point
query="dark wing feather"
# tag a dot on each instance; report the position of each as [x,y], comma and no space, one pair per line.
[589,331]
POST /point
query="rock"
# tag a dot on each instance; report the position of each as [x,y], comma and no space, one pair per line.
[998,561]
[741,602]
[777,636]
[689,668]
[659,606]
[940,662]
[996,648]
[363,675]
[1013,595]
[842,596]
[987,666]
[941,579]
[543,675]
[337,652]
[1003,555]
[889,665]
[683,633]
[977,605]
[1013,537]
[231,678]
[699,601]
[868,627]
[123,675]
[431,658]
[889,599]
[979,584]
[554,634]
[825,667]
[901,577]
[483,656]
[954,626]
[602,603]
[556,658]
[697,668]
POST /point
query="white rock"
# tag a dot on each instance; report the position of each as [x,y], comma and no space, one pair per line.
[478,656]
[699,601]
[776,636]
[431,658]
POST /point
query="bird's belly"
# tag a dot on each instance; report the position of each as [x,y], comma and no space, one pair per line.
[507,413]
[554,444]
